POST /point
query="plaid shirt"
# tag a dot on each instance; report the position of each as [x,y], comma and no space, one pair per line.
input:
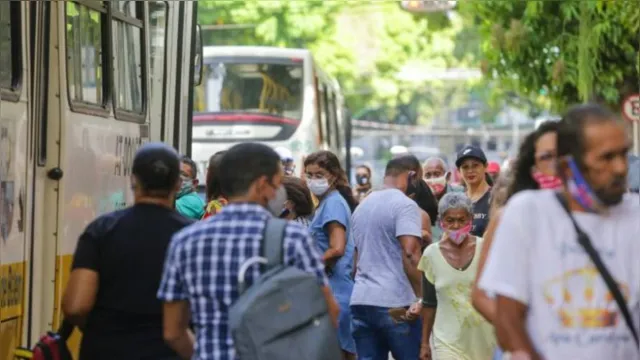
[202,267]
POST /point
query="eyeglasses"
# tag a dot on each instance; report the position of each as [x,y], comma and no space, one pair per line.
[547,156]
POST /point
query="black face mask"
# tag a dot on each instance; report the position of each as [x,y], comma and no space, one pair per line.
[362,180]
[284,213]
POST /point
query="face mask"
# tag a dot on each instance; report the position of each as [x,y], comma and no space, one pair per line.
[437,185]
[458,236]
[289,171]
[284,213]
[362,180]
[318,186]
[581,191]
[546,181]
[187,187]
[276,204]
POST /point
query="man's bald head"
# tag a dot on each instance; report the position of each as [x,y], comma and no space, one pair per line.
[434,167]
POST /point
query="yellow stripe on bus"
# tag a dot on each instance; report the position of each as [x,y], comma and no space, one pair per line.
[23,354]
[63,269]
[12,302]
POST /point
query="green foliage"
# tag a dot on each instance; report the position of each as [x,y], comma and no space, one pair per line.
[364,44]
[271,23]
[585,51]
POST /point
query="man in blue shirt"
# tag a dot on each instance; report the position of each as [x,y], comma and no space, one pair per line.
[387,232]
[188,202]
[200,280]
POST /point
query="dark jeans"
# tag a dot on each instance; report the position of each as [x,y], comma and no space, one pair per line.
[376,334]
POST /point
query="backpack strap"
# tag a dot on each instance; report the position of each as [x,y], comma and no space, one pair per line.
[273,242]
[65,330]
[583,239]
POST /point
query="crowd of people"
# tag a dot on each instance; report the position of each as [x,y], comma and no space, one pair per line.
[537,262]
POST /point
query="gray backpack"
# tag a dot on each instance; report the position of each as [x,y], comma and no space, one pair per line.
[283,315]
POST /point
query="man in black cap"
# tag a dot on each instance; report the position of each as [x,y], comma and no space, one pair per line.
[472,164]
[118,263]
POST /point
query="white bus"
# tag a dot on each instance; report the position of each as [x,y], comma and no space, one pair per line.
[276,96]
[83,84]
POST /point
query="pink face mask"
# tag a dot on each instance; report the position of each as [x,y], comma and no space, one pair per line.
[546,181]
[437,185]
[458,236]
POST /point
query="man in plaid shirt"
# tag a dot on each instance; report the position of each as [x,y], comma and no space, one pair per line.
[200,280]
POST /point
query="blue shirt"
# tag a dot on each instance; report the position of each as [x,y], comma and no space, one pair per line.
[202,267]
[333,208]
[191,205]
[377,222]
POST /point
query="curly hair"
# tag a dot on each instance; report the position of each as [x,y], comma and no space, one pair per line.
[521,178]
[329,162]
[499,191]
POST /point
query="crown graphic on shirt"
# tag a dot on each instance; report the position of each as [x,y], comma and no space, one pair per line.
[582,300]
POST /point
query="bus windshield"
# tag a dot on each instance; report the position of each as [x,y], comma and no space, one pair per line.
[255,89]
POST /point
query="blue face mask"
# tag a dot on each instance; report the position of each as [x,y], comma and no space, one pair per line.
[581,191]
[186,188]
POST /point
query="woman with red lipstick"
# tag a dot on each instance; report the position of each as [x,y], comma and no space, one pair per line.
[472,164]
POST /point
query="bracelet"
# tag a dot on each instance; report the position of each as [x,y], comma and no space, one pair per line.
[516,355]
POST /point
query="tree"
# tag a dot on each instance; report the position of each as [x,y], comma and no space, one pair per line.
[364,44]
[587,52]
[269,23]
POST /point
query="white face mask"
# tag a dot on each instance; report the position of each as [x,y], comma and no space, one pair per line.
[276,204]
[437,185]
[318,186]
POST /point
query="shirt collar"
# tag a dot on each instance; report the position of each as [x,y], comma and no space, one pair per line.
[245,208]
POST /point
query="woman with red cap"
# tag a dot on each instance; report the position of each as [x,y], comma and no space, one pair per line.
[493,169]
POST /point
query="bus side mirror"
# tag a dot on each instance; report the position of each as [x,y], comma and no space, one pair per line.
[198,59]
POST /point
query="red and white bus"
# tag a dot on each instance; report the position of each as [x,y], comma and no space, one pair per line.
[275,96]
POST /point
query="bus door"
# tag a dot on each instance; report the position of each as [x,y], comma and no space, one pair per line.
[17,158]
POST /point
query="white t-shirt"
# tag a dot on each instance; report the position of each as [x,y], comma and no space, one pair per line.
[536,259]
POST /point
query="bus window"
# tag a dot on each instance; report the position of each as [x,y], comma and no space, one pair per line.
[318,107]
[248,98]
[198,60]
[85,72]
[333,111]
[10,49]
[326,119]
[127,55]
[157,56]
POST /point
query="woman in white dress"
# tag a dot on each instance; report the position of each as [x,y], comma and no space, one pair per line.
[457,331]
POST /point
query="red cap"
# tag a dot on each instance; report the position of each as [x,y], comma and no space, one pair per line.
[493,167]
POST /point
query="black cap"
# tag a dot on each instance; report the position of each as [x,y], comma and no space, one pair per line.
[156,166]
[470,152]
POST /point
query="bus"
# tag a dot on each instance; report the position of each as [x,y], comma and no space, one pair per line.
[82,85]
[276,96]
